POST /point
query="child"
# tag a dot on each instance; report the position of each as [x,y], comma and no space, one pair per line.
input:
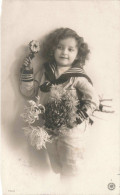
[65,53]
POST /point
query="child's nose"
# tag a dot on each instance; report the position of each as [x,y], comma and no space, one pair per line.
[65,51]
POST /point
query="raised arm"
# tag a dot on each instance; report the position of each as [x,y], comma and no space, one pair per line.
[29,83]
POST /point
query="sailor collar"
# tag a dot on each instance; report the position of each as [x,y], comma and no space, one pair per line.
[50,68]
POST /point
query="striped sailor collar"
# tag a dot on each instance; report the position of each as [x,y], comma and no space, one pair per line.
[74,71]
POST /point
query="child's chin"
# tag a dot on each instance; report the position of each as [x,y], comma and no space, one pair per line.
[64,64]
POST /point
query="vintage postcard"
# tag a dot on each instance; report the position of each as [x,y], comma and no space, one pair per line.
[60,97]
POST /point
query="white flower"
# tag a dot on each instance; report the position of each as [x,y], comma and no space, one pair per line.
[34,46]
[32,103]
[37,136]
[32,112]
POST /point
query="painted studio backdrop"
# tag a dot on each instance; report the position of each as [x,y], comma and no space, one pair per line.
[24,169]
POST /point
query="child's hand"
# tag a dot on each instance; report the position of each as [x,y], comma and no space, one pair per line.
[27,63]
[105,106]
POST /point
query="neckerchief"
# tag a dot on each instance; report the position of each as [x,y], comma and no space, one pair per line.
[50,76]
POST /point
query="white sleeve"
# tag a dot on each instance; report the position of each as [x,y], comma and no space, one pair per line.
[29,84]
[89,95]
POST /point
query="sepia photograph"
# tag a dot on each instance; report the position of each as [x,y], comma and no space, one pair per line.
[60,97]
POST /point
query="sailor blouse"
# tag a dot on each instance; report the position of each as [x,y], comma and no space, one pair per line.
[30,87]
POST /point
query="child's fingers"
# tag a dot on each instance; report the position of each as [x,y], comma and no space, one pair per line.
[108,102]
[104,100]
[108,110]
[26,62]
[106,105]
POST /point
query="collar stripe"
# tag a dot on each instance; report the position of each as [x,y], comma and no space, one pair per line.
[75,70]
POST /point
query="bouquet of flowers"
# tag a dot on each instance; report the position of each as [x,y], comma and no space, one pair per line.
[59,115]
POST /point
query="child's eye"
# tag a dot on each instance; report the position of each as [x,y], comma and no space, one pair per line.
[71,49]
[59,47]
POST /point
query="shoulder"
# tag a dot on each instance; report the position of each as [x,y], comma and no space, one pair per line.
[81,80]
[79,73]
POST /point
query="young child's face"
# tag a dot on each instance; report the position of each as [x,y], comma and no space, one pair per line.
[66,52]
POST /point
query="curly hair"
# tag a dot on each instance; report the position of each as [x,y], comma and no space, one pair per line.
[52,40]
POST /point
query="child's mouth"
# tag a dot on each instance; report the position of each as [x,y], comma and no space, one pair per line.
[64,57]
